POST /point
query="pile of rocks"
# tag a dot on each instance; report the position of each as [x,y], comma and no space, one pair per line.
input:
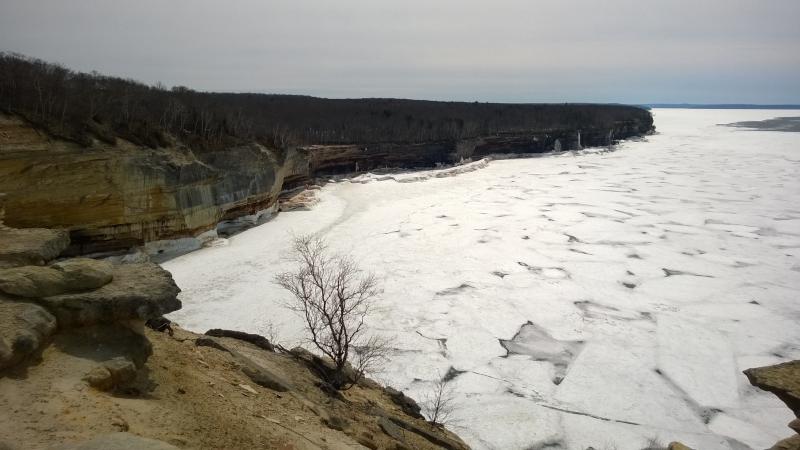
[40,298]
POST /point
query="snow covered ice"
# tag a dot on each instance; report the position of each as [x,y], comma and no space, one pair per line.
[584,299]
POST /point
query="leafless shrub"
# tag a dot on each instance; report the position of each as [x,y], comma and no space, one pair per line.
[439,405]
[333,296]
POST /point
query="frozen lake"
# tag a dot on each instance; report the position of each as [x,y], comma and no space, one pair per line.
[595,299]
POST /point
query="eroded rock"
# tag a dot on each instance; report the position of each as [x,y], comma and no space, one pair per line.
[790,443]
[406,403]
[255,339]
[82,274]
[783,380]
[24,328]
[137,292]
[74,275]
[30,246]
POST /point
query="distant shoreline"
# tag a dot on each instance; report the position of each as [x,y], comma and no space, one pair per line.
[717,106]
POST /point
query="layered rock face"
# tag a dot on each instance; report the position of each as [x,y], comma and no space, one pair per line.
[117,197]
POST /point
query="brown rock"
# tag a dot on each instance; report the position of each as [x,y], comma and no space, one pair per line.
[795,425]
[82,274]
[79,274]
[111,374]
[783,380]
[24,328]
[30,246]
[100,378]
[791,443]
[32,281]
[137,292]
[677,446]
[118,196]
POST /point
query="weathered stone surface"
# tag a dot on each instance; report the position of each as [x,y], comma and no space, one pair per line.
[84,273]
[32,246]
[391,429]
[795,425]
[407,404]
[72,275]
[255,339]
[100,378]
[790,443]
[122,370]
[441,441]
[677,446]
[265,377]
[118,441]
[24,328]
[105,342]
[138,292]
[210,342]
[783,380]
[113,197]
[32,281]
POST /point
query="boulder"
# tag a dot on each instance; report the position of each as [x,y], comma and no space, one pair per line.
[114,373]
[265,377]
[82,274]
[255,339]
[137,292]
[30,246]
[24,328]
[100,378]
[32,281]
[79,274]
[407,404]
[118,441]
[783,380]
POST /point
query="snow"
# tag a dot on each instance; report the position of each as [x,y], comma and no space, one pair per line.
[588,298]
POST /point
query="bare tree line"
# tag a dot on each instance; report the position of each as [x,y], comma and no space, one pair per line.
[85,106]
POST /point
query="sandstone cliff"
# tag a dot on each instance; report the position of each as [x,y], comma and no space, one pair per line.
[113,197]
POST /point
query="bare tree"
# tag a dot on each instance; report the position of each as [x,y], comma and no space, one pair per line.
[439,404]
[333,295]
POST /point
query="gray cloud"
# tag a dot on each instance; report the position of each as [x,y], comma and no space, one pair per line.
[503,50]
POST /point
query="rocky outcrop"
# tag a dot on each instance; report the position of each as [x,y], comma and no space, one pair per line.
[86,299]
[138,292]
[30,247]
[79,274]
[115,197]
[120,196]
[783,380]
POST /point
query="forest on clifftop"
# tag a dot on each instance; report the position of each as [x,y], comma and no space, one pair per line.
[84,106]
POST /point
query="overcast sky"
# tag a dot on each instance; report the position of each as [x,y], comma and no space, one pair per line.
[634,51]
